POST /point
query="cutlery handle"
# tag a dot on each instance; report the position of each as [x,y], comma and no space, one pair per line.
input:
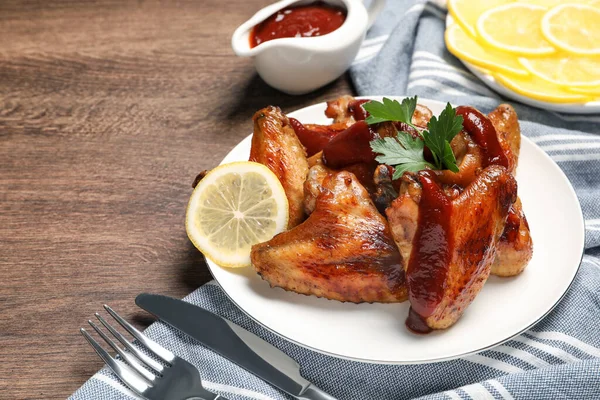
[314,393]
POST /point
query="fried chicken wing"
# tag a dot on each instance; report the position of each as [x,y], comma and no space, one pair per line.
[468,158]
[340,110]
[449,246]
[504,118]
[344,250]
[275,144]
[313,186]
[515,247]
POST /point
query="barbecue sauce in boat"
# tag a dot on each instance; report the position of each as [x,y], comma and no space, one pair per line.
[430,258]
[316,19]
[484,134]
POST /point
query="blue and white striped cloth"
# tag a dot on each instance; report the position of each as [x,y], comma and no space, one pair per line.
[559,358]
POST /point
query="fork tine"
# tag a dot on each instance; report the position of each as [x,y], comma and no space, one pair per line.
[125,373]
[156,348]
[141,356]
[150,377]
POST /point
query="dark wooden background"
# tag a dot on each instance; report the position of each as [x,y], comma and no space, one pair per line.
[108,109]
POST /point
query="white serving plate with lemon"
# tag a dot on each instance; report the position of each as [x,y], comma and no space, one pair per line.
[375,332]
[545,53]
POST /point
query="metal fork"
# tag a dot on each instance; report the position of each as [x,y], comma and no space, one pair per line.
[177,379]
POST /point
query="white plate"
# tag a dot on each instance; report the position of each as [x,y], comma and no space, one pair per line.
[376,332]
[592,107]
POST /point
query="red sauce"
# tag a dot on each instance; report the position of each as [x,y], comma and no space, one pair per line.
[430,258]
[484,134]
[364,173]
[356,109]
[314,138]
[416,323]
[511,229]
[315,19]
[350,147]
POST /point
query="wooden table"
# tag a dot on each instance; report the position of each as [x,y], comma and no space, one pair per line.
[108,110]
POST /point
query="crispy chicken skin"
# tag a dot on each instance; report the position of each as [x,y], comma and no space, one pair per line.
[314,186]
[275,144]
[469,160]
[515,247]
[477,220]
[421,116]
[504,118]
[344,250]
[339,110]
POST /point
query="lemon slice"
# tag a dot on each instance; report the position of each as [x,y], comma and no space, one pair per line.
[593,91]
[542,3]
[565,71]
[539,89]
[574,28]
[466,12]
[515,28]
[233,207]
[468,49]
[552,3]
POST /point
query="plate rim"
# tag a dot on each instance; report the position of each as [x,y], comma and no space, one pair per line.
[439,359]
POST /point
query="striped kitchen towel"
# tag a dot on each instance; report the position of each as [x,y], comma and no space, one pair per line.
[559,358]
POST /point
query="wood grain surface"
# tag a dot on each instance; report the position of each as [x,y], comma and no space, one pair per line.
[108,109]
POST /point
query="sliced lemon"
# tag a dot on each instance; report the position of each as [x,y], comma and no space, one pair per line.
[468,49]
[233,207]
[466,12]
[539,89]
[515,28]
[592,91]
[552,3]
[565,70]
[574,28]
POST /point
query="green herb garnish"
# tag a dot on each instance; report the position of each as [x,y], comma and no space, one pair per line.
[404,152]
[391,110]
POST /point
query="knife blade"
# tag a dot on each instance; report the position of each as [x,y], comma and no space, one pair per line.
[234,343]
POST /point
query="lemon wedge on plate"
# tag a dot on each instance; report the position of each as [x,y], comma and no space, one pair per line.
[574,28]
[515,28]
[468,49]
[565,70]
[539,89]
[234,207]
[466,12]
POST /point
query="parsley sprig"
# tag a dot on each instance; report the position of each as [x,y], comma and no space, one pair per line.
[404,152]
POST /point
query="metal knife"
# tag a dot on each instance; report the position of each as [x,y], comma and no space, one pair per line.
[234,343]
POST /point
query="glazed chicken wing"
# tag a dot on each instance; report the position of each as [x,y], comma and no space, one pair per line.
[505,121]
[341,110]
[515,247]
[344,250]
[313,186]
[275,144]
[448,244]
